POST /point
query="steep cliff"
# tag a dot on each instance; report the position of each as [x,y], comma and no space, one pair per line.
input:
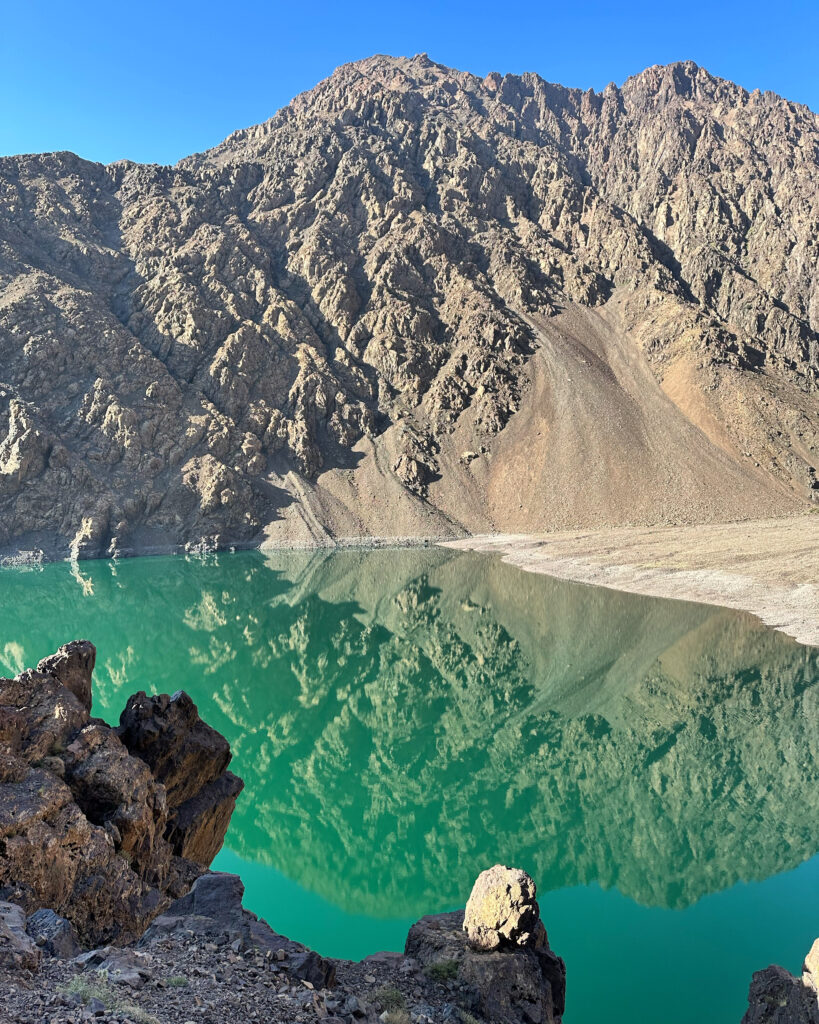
[417,302]
[94,822]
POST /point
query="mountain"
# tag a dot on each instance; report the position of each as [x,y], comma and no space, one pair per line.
[417,302]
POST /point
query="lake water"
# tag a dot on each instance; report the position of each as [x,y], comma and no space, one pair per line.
[404,719]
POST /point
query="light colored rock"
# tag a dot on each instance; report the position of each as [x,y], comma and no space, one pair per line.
[502,910]
[810,968]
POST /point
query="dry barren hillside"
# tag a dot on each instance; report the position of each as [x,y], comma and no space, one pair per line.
[417,302]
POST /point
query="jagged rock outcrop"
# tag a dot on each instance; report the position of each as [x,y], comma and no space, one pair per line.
[777,997]
[498,949]
[207,951]
[190,760]
[467,297]
[87,828]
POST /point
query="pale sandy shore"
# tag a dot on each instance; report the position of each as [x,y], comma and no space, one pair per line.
[768,567]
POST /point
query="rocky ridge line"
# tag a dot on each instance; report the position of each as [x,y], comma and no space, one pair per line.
[417,302]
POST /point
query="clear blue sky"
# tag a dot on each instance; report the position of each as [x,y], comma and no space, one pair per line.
[155,81]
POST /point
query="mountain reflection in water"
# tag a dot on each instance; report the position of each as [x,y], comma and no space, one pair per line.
[404,718]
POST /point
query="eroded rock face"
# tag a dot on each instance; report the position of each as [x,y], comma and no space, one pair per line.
[73,666]
[499,950]
[87,828]
[375,291]
[776,997]
[190,760]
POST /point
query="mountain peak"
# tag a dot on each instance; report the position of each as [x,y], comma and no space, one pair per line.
[418,301]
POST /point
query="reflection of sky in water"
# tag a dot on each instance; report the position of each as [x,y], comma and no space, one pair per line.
[403,719]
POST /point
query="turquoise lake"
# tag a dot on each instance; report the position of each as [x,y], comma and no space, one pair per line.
[405,718]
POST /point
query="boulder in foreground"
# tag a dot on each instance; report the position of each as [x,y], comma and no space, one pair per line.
[497,950]
[502,911]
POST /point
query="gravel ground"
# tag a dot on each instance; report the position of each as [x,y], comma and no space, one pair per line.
[193,982]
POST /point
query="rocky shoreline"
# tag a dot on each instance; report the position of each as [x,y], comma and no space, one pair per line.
[766,567]
[108,910]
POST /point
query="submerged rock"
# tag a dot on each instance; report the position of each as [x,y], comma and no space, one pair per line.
[88,830]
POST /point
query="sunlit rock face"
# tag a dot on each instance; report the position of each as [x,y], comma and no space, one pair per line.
[91,825]
[489,303]
[403,718]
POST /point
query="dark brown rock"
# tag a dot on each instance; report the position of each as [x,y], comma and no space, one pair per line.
[190,760]
[39,715]
[776,997]
[118,792]
[84,823]
[198,826]
[517,985]
[183,753]
[73,666]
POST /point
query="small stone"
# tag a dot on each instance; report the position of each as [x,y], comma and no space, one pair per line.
[370,979]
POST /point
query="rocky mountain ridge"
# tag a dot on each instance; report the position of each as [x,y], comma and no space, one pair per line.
[415,303]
